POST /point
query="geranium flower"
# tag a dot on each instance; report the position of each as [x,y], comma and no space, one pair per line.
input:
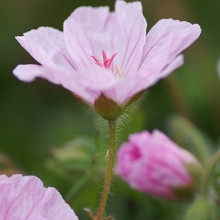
[154,164]
[25,197]
[105,58]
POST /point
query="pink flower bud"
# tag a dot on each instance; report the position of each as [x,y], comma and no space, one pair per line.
[152,163]
[25,197]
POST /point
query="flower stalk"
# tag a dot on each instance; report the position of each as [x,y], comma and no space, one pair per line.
[78,185]
[209,170]
[111,158]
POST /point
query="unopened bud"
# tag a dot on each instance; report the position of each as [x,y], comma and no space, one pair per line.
[153,163]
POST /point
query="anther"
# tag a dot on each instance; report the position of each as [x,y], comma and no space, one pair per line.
[118,70]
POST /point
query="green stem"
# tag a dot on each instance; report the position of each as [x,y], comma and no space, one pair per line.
[78,185]
[111,157]
[207,176]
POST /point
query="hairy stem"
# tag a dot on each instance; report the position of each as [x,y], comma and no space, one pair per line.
[111,157]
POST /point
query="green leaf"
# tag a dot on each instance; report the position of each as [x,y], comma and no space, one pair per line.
[76,155]
[188,136]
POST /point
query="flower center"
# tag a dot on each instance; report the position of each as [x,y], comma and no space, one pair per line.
[106,61]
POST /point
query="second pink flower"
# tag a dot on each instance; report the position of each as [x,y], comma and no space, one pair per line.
[152,163]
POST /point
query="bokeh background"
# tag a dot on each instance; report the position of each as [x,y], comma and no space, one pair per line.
[44,131]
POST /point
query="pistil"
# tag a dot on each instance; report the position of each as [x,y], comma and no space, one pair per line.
[106,61]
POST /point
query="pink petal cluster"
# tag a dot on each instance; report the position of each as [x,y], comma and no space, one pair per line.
[152,163]
[106,53]
[25,197]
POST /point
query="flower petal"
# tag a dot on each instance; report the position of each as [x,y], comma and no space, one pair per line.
[176,63]
[85,35]
[89,82]
[121,32]
[51,206]
[147,80]
[25,197]
[29,72]
[125,88]
[165,41]
[47,46]
[133,25]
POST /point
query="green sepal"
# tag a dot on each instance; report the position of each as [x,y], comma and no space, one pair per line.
[196,172]
[183,193]
[134,98]
[201,209]
[107,108]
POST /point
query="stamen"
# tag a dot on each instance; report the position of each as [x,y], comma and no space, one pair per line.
[118,70]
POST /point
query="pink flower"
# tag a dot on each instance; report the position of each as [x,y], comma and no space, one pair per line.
[105,58]
[25,197]
[152,163]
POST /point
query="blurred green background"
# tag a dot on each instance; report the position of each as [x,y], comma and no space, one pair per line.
[38,119]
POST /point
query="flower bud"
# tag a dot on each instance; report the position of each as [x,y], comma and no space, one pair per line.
[152,163]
